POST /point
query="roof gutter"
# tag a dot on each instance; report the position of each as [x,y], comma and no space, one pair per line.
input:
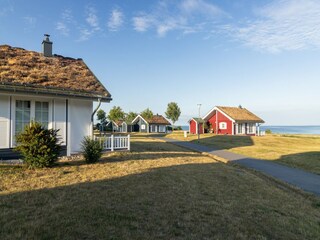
[92,115]
[96,109]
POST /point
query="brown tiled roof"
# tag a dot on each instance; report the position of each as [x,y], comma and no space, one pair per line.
[30,70]
[240,114]
[158,119]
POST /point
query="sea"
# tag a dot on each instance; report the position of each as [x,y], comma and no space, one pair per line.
[284,129]
[292,129]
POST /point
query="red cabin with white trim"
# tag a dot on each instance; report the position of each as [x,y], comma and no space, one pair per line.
[233,121]
[193,126]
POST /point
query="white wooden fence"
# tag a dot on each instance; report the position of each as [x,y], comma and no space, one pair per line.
[114,143]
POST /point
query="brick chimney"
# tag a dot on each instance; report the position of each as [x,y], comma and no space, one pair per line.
[47,46]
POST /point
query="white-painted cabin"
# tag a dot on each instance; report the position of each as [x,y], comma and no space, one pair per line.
[56,91]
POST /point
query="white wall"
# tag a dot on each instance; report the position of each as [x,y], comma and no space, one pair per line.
[59,119]
[4,121]
[79,124]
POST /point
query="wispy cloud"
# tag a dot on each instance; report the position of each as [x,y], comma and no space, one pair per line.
[65,21]
[92,19]
[142,23]
[189,16]
[29,23]
[6,8]
[281,26]
[62,28]
[92,24]
[202,7]
[115,20]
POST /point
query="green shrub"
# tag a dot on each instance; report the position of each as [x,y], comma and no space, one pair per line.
[268,131]
[92,150]
[38,146]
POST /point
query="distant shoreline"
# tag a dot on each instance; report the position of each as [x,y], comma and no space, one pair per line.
[283,129]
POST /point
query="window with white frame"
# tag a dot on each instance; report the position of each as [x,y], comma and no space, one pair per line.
[23,115]
[26,110]
[240,128]
[251,127]
[162,128]
[143,127]
[42,113]
[223,125]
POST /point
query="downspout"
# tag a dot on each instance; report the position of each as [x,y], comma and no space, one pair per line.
[92,115]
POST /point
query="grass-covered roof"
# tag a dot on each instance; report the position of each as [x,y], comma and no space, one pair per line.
[57,74]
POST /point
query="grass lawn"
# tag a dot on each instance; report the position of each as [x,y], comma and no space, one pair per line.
[157,191]
[299,151]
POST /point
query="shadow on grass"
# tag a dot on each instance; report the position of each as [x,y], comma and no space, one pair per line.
[155,146]
[194,201]
[142,151]
[309,161]
[225,141]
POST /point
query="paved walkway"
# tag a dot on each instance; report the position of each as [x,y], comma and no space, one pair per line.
[307,181]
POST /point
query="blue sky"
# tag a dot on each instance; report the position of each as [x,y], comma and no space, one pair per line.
[261,54]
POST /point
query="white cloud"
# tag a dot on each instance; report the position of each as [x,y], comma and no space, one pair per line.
[85,34]
[283,25]
[189,16]
[62,28]
[200,6]
[6,8]
[66,19]
[31,21]
[142,23]
[92,19]
[115,20]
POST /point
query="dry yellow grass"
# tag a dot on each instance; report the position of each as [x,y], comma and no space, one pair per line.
[158,191]
[299,151]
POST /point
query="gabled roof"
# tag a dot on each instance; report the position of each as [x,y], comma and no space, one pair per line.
[156,119]
[29,71]
[237,114]
[120,122]
[197,120]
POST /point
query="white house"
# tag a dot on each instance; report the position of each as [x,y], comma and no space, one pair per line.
[54,90]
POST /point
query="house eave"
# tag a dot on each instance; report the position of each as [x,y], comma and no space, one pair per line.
[48,91]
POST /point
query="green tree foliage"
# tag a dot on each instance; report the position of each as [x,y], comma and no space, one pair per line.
[268,131]
[147,114]
[102,118]
[130,116]
[38,146]
[173,112]
[92,150]
[116,113]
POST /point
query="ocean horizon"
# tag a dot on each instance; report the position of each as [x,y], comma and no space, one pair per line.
[302,129]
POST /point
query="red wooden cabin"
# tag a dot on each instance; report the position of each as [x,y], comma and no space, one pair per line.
[233,121]
[193,126]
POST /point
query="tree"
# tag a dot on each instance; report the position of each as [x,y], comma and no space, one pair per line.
[146,114]
[173,112]
[116,113]
[38,145]
[102,118]
[130,116]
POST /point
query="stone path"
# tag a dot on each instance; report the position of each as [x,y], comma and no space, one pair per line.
[307,181]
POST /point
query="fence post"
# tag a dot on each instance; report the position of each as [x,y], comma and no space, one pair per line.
[128,142]
[112,149]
